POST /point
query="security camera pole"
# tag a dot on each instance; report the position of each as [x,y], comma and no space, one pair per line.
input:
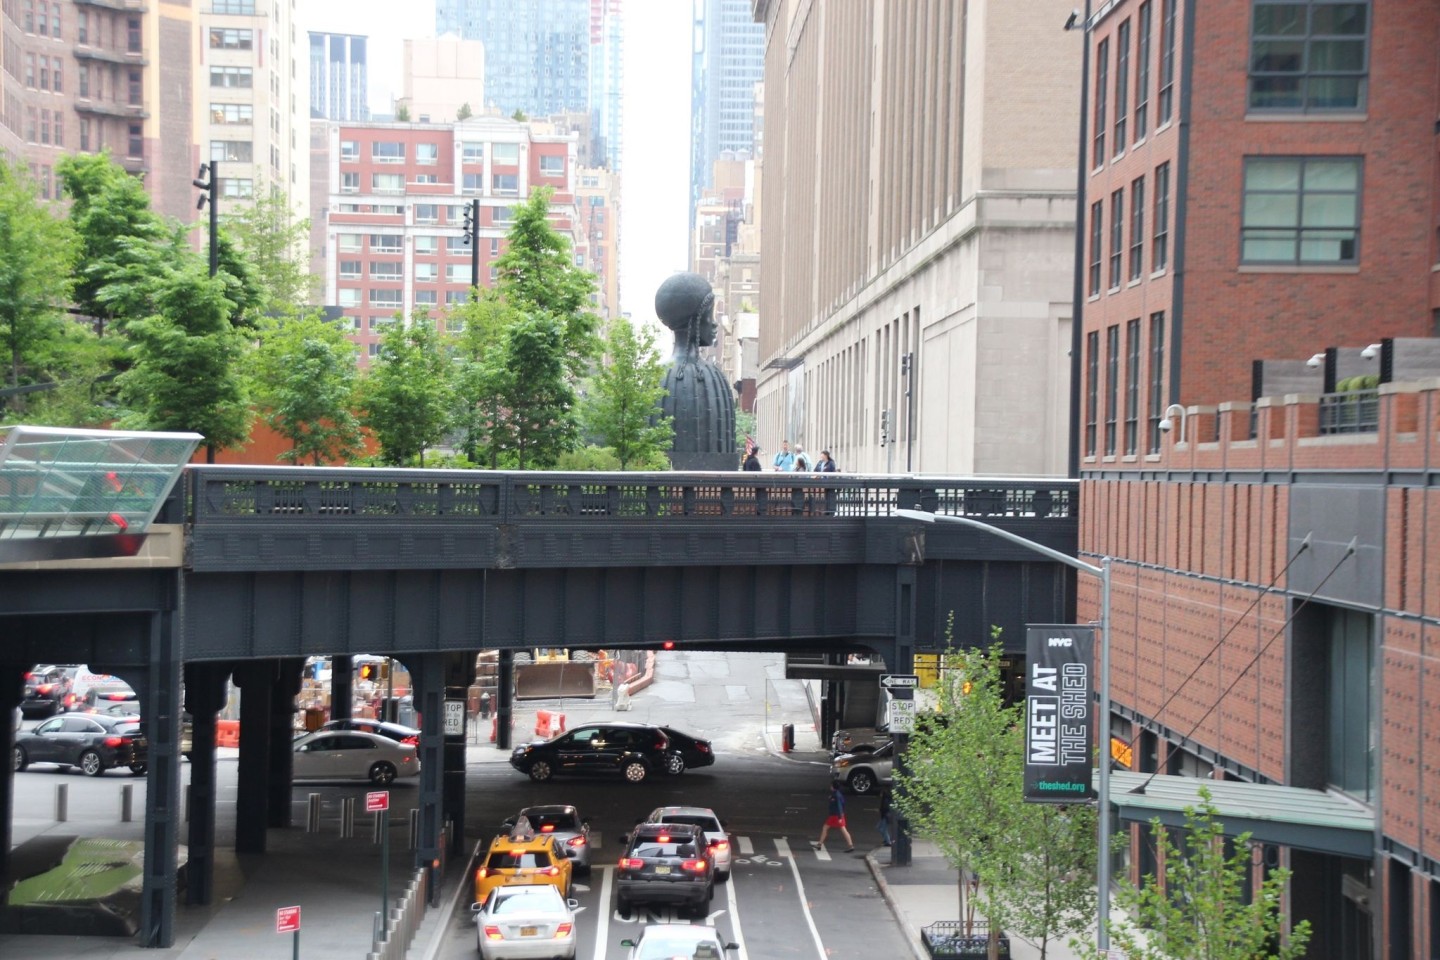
[211,196]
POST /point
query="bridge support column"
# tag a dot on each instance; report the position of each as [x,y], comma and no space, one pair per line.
[256,680]
[459,674]
[204,696]
[342,687]
[282,736]
[162,805]
[429,681]
[902,660]
[504,697]
[11,688]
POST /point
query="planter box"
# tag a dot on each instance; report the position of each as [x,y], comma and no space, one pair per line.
[947,940]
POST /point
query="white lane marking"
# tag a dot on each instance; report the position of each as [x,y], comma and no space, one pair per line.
[820,852]
[602,914]
[783,849]
[735,929]
[747,846]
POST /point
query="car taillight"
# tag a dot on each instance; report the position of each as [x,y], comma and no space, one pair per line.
[45,688]
[492,932]
[694,866]
[29,677]
[720,845]
[412,741]
[115,696]
[551,871]
[663,838]
[661,744]
[406,759]
[575,842]
[114,741]
[548,828]
[563,930]
[631,863]
[482,873]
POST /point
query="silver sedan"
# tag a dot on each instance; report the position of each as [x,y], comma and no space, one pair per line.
[352,755]
[526,922]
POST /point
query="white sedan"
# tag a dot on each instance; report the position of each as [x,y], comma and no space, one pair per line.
[352,755]
[664,941]
[525,922]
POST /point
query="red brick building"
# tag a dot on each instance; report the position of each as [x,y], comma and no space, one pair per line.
[1264,187]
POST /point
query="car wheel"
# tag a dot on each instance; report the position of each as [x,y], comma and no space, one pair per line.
[90,764]
[21,760]
[382,773]
[862,782]
[723,876]
[634,771]
[138,768]
[540,771]
[674,764]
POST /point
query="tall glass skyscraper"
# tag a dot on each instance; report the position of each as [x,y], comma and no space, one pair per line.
[339,83]
[729,59]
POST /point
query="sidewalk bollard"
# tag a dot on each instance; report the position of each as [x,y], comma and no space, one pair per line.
[377,927]
[377,829]
[787,737]
[347,818]
[312,813]
[127,802]
[62,802]
[414,828]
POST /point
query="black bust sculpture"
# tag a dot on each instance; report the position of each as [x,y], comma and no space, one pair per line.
[698,400]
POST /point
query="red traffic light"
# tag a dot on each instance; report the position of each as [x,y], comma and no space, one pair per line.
[668,645]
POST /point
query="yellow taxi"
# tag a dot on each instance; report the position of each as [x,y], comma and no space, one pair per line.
[523,856]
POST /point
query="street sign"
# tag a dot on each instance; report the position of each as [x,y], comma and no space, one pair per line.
[899,681]
[377,800]
[900,716]
[287,920]
[454,718]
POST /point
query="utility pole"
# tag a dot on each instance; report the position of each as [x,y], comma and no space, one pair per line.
[472,240]
[907,369]
[212,197]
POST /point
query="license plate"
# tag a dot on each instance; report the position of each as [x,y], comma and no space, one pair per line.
[529,931]
[662,869]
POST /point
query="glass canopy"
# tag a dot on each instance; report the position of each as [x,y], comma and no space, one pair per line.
[58,482]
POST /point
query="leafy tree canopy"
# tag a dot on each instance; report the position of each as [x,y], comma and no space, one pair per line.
[406,397]
[35,268]
[305,386]
[622,406]
[275,245]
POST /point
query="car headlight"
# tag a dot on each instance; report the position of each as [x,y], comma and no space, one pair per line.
[842,764]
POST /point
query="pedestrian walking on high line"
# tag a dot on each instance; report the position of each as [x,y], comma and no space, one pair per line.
[752,461]
[836,819]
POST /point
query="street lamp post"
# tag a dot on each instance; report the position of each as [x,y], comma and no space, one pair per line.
[1102,787]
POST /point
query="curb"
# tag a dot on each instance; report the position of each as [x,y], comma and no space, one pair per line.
[877,870]
[446,912]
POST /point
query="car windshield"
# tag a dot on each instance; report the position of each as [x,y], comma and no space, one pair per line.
[541,898]
[667,948]
[551,822]
[654,848]
[707,824]
[516,860]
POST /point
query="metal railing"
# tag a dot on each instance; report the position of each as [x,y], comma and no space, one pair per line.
[301,494]
[393,941]
[1353,411]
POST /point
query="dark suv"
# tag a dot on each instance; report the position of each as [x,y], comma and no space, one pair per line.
[632,750]
[666,863]
[47,689]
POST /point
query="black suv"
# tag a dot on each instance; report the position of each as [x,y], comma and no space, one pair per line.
[666,863]
[632,750]
[47,689]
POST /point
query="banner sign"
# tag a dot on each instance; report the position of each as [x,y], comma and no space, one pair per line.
[1059,713]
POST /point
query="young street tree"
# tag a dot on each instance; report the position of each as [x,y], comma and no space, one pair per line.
[622,409]
[274,243]
[536,402]
[39,251]
[1200,911]
[1033,863]
[304,385]
[479,380]
[406,398]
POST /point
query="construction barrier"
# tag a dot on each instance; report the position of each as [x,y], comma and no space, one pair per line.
[494,727]
[548,724]
[227,733]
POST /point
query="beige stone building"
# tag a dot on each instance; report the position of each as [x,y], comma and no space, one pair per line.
[918,233]
[441,77]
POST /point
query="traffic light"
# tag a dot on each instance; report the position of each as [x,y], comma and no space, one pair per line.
[668,645]
[367,671]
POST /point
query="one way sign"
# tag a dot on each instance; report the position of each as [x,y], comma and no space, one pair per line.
[899,681]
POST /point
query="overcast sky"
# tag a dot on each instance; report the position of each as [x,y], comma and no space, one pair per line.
[654,223]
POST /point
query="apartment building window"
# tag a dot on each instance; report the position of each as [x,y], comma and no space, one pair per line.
[231,112]
[45,126]
[1122,85]
[44,73]
[494,246]
[42,23]
[349,151]
[350,269]
[1349,709]
[59,128]
[388,209]
[82,74]
[427,213]
[472,152]
[236,77]
[84,134]
[135,85]
[1137,227]
[1157,378]
[458,273]
[427,178]
[506,184]
[1117,236]
[347,242]
[505,153]
[1160,222]
[427,245]
[82,27]
[1301,210]
[472,183]
[1092,388]
[455,246]
[55,26]
[1142,72]
[350,182]
[387,182]
[1167,63]
[245,7]
[29,16]
[386,270]
[499,215]
[426,298]
[237,188]
[386,243]
[552,166]
[1132,386]
[387,151]
[30,70]
[135,142]
[348,296]
[1112,385]
[1307,55]
[1097,233]
[455,297]
[387,299]
[228,38]
[133,38]
[1102,85]
[427,272]
[236,150]
[57,77]
[427,153]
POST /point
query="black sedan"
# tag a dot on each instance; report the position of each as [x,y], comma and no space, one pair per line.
[631,750]
[686,752]
[93,742]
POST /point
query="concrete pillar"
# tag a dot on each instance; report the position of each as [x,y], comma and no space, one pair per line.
[902,660]
[204,697]
[12,682]
[342,687]
[459,675]
[504,699]
[256,680]
[282,736]
[163,813]
[427,670]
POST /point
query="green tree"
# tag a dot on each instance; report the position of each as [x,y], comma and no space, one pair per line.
[536,420]
[622,408]
[186,362]
[1200,911]
[479,374]
[82,368]
[275,244]
[402,113]
[406,398]
[305,388]
[1031,865]
[39,251]
[744,427]
[464,113]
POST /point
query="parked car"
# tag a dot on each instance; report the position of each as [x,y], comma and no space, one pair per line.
[686,752]
[352,755]
[666,863]
[524,922]
[113,708]
[717,839]
[865,772]
[47,690]
[665,941]
[93,742]
[564,823]
[520,857]
[394,731]
[113,690]
[632,750]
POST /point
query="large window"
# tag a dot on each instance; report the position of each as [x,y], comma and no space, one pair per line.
[1112,385]
[1308,55]
[1132,386]
[1117,236]
[1102,85]
[552,166]
[1122,85]
[505,153]
[427,213]
[234,150]
[226,112]
[231,77]
[1350,711]
[1137,227]
[1092,388]
[472,183]
[507,184]
[349,151]
[1097,233]
[457,273]
[1142,72]
[245,7]
[237,188]
[472,152]
[384,270]
[426,244]
[348,242]
[350,182]
[385,299]
[1301,210]
[426,272]
[386,243]
[1167,63]
[227,38]
[1157,378]
[427,153]
[387,182]
[1160,223]
[387,151]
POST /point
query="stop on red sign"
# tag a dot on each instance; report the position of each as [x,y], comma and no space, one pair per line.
[287,920]
[377,800]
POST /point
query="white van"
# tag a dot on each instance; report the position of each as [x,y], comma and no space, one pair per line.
[90,689]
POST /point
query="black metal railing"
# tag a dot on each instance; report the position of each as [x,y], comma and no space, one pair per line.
[224,493]
[1353,411]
